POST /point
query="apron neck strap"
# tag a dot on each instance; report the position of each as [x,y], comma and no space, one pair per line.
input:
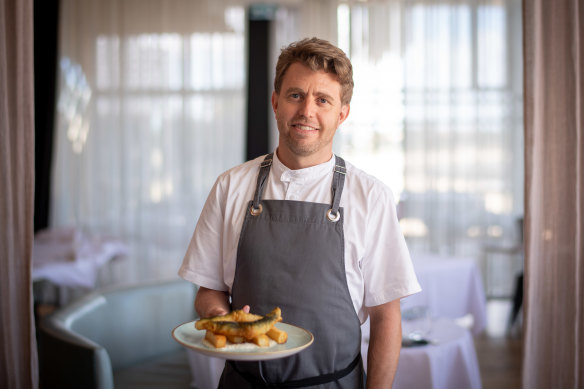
[337,186]
[262,176]
[340,172]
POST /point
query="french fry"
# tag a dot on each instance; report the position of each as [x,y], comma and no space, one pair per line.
[261,340]
[235,339]
[278,335]
[218,341]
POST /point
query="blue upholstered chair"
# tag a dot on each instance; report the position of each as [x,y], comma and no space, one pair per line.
[118,337]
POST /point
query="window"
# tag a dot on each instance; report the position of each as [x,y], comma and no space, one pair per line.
[150,113]
[437,115]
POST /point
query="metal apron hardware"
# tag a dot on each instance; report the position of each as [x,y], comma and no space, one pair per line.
[291,255]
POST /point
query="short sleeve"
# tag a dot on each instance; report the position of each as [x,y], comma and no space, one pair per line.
[387,269]
[202,264]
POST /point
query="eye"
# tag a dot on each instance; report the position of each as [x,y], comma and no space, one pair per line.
[295,95]
[322,100]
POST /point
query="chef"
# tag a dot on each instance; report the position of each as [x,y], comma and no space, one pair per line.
[304,230]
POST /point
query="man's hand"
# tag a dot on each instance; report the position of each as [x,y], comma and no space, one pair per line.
[210,302]
[384,344]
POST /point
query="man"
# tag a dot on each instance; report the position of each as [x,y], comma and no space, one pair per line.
[303,230]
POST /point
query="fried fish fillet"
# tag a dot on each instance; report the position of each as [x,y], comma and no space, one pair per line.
[237,315]
[249,329]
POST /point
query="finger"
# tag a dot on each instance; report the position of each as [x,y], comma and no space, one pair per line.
[217,311]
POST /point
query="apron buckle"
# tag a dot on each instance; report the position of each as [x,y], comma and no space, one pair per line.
[330,216]
[255,211]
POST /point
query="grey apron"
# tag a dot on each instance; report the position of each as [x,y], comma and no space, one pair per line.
[291,255]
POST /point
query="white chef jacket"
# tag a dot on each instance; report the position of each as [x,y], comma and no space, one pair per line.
[377,261]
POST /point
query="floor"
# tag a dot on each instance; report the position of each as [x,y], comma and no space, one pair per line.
[499,349]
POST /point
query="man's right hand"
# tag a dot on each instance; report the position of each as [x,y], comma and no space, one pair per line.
[210,302]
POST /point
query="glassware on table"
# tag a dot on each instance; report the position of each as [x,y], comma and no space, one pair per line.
[416,324]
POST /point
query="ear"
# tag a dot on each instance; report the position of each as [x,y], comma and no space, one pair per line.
[274,101]
[345,109]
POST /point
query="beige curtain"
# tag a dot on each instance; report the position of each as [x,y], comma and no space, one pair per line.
[554,194]
[18,356]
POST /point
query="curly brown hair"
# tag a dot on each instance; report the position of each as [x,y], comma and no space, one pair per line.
[317,54]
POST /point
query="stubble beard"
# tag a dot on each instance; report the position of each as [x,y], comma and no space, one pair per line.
[296,145]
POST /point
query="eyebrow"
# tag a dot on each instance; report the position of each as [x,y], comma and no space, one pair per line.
[319,94]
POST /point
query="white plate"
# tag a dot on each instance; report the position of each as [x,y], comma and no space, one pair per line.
[298,339]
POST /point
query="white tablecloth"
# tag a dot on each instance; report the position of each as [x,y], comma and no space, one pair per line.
[451,288]
[69,257]
[205,370]
[450,362]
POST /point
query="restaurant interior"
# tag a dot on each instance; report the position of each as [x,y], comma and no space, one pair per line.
[140,105]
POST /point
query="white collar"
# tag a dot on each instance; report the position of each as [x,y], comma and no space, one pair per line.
[307,174]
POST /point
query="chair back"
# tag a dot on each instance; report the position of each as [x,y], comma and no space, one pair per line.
[83,343]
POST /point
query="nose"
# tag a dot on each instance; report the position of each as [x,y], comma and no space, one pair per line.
[307,108]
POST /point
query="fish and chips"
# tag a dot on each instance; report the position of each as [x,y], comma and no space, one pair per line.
[240,327]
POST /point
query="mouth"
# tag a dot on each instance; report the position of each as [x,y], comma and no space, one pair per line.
[304,127]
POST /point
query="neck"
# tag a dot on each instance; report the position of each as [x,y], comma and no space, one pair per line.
[295,162]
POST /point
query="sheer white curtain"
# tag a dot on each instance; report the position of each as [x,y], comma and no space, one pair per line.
[150,110]
[437,115]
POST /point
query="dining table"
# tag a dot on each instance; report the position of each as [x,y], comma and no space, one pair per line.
[452,287]
[205,370]
[70,258]
[448,360]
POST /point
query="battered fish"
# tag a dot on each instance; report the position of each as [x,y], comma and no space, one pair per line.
[237,315]
[227,325]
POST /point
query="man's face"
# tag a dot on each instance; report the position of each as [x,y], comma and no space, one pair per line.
[308,112]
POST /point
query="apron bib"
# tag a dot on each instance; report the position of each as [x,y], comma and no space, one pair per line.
[291,255]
